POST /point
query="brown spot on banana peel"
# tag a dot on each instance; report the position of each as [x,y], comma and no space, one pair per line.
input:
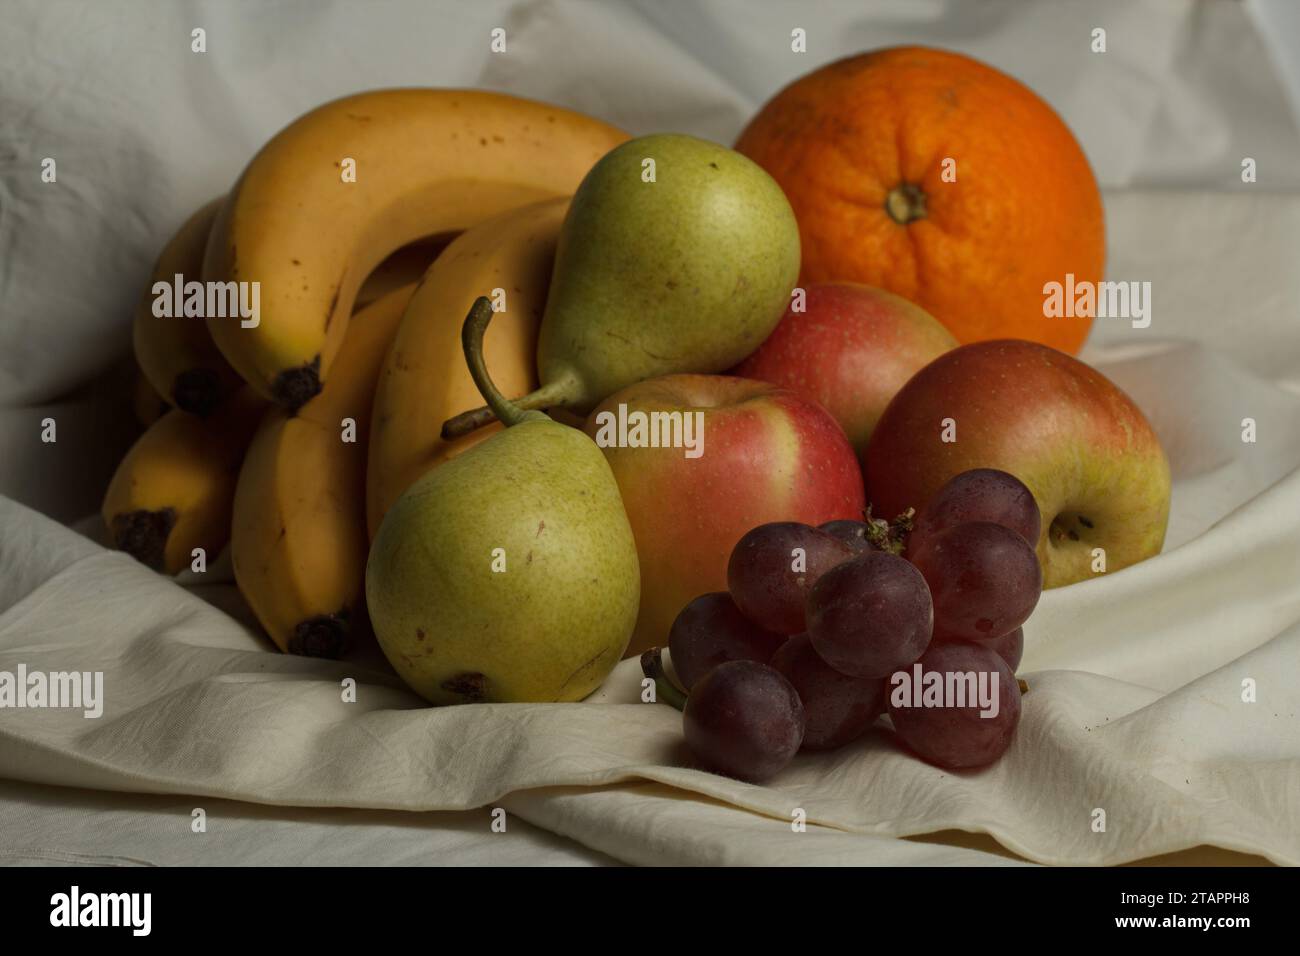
[143,534]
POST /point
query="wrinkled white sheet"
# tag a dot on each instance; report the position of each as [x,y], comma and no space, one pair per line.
[1135,704]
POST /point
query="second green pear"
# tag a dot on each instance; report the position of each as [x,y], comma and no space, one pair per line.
[677,255]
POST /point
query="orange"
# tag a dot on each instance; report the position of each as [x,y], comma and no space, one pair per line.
[942,180]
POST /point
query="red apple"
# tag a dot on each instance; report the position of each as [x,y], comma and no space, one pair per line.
[850,349]
[767,455]
[1085,451]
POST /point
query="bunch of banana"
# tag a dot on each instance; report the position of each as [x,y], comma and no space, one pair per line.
[291,436]
[299,539]
[338,190]
[174,490]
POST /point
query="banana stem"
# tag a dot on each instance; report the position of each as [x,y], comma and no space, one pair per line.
[652,665]
[471,340]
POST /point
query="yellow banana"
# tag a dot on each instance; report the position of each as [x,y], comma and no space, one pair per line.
[298,538]
[176,353]
[337,190]
[425,378]
[404,267]
[147,404]
[173,490]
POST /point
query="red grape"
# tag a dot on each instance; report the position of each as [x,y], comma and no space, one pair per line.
[981,494]
[957,726]
[744,720]
[852,533]
[1009,647]
[984,579]
[711,631]
[837,708]
[870,615]
[773,567]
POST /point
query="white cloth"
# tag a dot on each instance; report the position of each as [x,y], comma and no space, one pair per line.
[1136,678]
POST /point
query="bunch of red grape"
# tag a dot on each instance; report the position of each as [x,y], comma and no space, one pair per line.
[822,630]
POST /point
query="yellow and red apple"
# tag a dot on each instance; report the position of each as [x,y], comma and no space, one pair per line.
[849,347]
[1088,454]
[768,454]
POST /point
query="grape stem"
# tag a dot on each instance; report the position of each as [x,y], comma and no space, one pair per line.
[890,536]
[652,665]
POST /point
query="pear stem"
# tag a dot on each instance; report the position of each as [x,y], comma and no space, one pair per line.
[466,422]
[471,339]
[652,665]
[476,418]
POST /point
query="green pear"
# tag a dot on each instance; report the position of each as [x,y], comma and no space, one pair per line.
[676,255]
[508,573]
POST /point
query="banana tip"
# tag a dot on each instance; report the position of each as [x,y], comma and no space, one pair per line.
[325,635]
[295,387]
[143,534]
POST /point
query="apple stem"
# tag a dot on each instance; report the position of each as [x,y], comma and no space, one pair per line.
[1023,685]
[652,665]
